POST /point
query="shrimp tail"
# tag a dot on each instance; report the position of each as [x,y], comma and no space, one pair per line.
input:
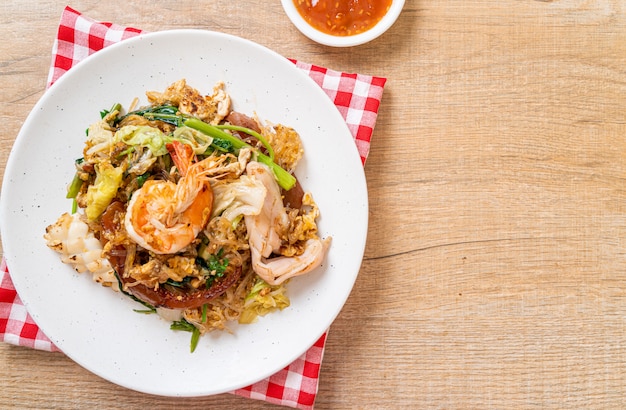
[182,155]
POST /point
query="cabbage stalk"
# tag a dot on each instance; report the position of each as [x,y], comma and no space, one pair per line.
[143,136]
[104,189]
[244,196]
[156,141]
[199,141]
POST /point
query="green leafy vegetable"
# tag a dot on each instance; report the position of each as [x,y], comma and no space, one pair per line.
[255,134]
[145,311]
[195,338]
[115,107]
[165,113]
[221,138]
[217,264]
[284,178]
[187,327]
[222,145]
[179,284]
[214,266]
[182,325]
[141,179]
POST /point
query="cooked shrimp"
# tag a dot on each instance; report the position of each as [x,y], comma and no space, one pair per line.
[265,231]
[165,217]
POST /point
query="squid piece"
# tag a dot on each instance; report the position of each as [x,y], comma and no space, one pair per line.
[265,231]
[277,270]
[70,236]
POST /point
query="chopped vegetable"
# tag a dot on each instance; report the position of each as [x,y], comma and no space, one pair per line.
[170,115]
[182,325]
[213,265]
[217,264]
[205,307]
[284,178]
[143,136]
[104,189]
[116,108]
[74,188]
[188,327]
[242,197]
[263,299]
[249,131]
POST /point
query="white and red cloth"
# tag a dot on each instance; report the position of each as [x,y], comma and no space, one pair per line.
[356,96]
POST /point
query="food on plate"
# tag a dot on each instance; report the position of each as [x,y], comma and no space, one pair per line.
[191,209]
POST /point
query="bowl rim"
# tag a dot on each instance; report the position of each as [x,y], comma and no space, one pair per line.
[343,41]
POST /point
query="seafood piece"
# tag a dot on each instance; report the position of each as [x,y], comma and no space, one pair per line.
[70,236]
[277,270]
[165,217]
[266,229]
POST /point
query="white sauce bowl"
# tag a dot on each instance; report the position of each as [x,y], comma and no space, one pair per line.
[343,41]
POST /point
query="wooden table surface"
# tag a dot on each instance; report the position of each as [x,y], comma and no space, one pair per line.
[494,273]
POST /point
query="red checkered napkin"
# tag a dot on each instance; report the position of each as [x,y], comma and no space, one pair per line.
[356,96]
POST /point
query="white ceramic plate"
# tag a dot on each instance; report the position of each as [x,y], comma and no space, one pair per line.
[97,327]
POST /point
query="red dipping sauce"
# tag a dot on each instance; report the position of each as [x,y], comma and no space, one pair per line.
[342,17]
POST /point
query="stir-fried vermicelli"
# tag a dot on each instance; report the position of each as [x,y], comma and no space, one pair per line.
[192,209]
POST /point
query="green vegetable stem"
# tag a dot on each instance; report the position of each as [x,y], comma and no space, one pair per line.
[74,187]
[170,114]
[284,178]
[187,327]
